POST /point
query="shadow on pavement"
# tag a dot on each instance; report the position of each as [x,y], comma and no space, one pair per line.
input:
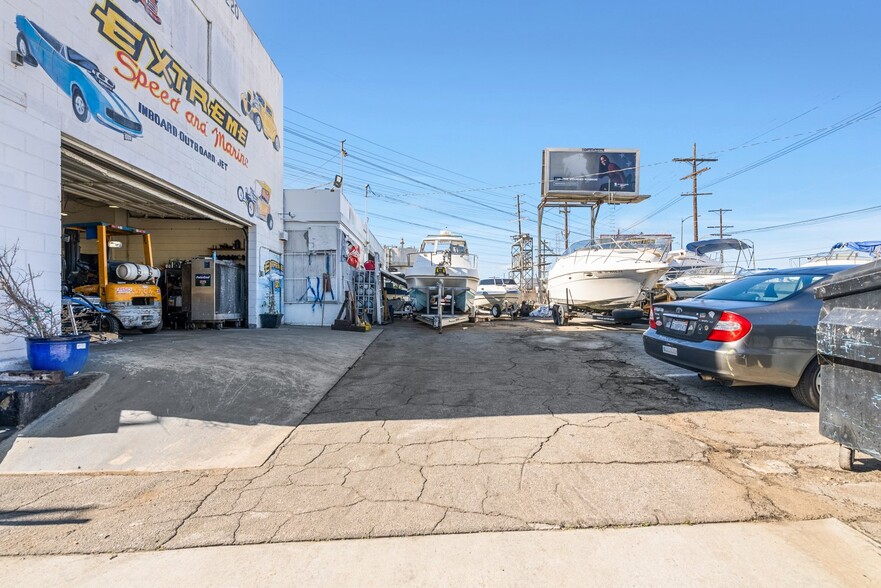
[522,368]
[41,517]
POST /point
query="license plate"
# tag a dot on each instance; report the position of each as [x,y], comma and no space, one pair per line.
[669,350]
[680,326]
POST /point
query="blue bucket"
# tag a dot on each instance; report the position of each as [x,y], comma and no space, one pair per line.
[68,354]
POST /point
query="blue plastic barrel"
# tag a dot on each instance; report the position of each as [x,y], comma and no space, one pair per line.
[68,354]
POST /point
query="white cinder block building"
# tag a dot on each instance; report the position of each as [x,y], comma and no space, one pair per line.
[161,116]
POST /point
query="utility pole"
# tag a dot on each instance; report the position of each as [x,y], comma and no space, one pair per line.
[566,227]
[722,228]
[695,172]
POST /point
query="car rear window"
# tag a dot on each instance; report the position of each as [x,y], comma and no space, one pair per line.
[764,288]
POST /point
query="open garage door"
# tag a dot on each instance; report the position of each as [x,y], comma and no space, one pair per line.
[106,198]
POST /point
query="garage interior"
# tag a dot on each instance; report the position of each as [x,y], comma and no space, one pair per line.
[97,188]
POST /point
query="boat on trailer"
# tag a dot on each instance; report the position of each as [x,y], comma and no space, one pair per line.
[442,280]
[499,295]
[608,276]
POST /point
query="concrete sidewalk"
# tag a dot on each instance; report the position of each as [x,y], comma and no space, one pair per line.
[187,400]
[813,553]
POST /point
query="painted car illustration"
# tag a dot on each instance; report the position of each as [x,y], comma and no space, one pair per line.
[255,107]
[257,204]
[152,9]
[91,92]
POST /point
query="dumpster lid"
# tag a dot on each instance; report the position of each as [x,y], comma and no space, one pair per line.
[861,278]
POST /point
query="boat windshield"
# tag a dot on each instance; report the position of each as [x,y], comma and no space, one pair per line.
[609,244]
[441,246]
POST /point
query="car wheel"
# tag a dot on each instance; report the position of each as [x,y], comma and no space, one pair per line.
[251,208]
[21,44]
[258,122]
[78,101]
[246,106]
[241,194]
[807,391]
[276,143]
[269,221]
[496,311]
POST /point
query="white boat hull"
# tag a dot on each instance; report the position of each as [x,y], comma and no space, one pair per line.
[604,289]
[458,275]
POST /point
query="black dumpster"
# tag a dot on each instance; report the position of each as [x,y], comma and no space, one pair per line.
[849,348]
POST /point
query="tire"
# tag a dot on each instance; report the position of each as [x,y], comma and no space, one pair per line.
[153,329]
[557,315]
[269,221]
[276,143]
[78,102]
[246,106]
[251,208]
[407,308]
[21,45]
[496,311]
[258,122]
[240,192]
[807,391]
[109,324]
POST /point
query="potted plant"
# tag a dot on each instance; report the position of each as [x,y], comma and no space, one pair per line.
[272,318]
[23,314]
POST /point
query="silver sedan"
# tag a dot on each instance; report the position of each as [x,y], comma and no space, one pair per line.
[761,329]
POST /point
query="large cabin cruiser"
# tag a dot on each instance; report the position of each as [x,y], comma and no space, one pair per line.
[443,258]
[605,275]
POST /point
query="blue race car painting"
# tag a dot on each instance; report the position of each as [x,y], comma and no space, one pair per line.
[91,92]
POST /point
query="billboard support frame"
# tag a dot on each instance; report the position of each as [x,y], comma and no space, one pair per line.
[579,199]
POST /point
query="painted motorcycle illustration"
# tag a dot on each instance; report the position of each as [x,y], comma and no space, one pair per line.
[258,110]
[258,205]
[91,92]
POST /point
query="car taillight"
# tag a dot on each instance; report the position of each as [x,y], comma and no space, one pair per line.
[653,324]
[731,327]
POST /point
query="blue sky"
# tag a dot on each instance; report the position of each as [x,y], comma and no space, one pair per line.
[458,97]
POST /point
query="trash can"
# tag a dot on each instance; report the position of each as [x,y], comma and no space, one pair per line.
[849,349]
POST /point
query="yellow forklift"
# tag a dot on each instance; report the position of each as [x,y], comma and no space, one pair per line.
[129,290]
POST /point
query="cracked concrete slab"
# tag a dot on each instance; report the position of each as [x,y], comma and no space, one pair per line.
[564,428]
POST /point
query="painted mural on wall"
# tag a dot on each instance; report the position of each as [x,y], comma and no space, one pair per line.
[152,9]
[92,94]
[170,99]
[257,204]
[270,281]
[255,107]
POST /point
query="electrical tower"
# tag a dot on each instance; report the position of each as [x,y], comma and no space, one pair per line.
[721,228]
[522,265]
[694,160]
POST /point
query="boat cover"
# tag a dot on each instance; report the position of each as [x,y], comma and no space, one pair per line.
[864,246]
[713,245]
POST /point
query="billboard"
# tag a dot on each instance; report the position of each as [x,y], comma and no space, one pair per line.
[590,171]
